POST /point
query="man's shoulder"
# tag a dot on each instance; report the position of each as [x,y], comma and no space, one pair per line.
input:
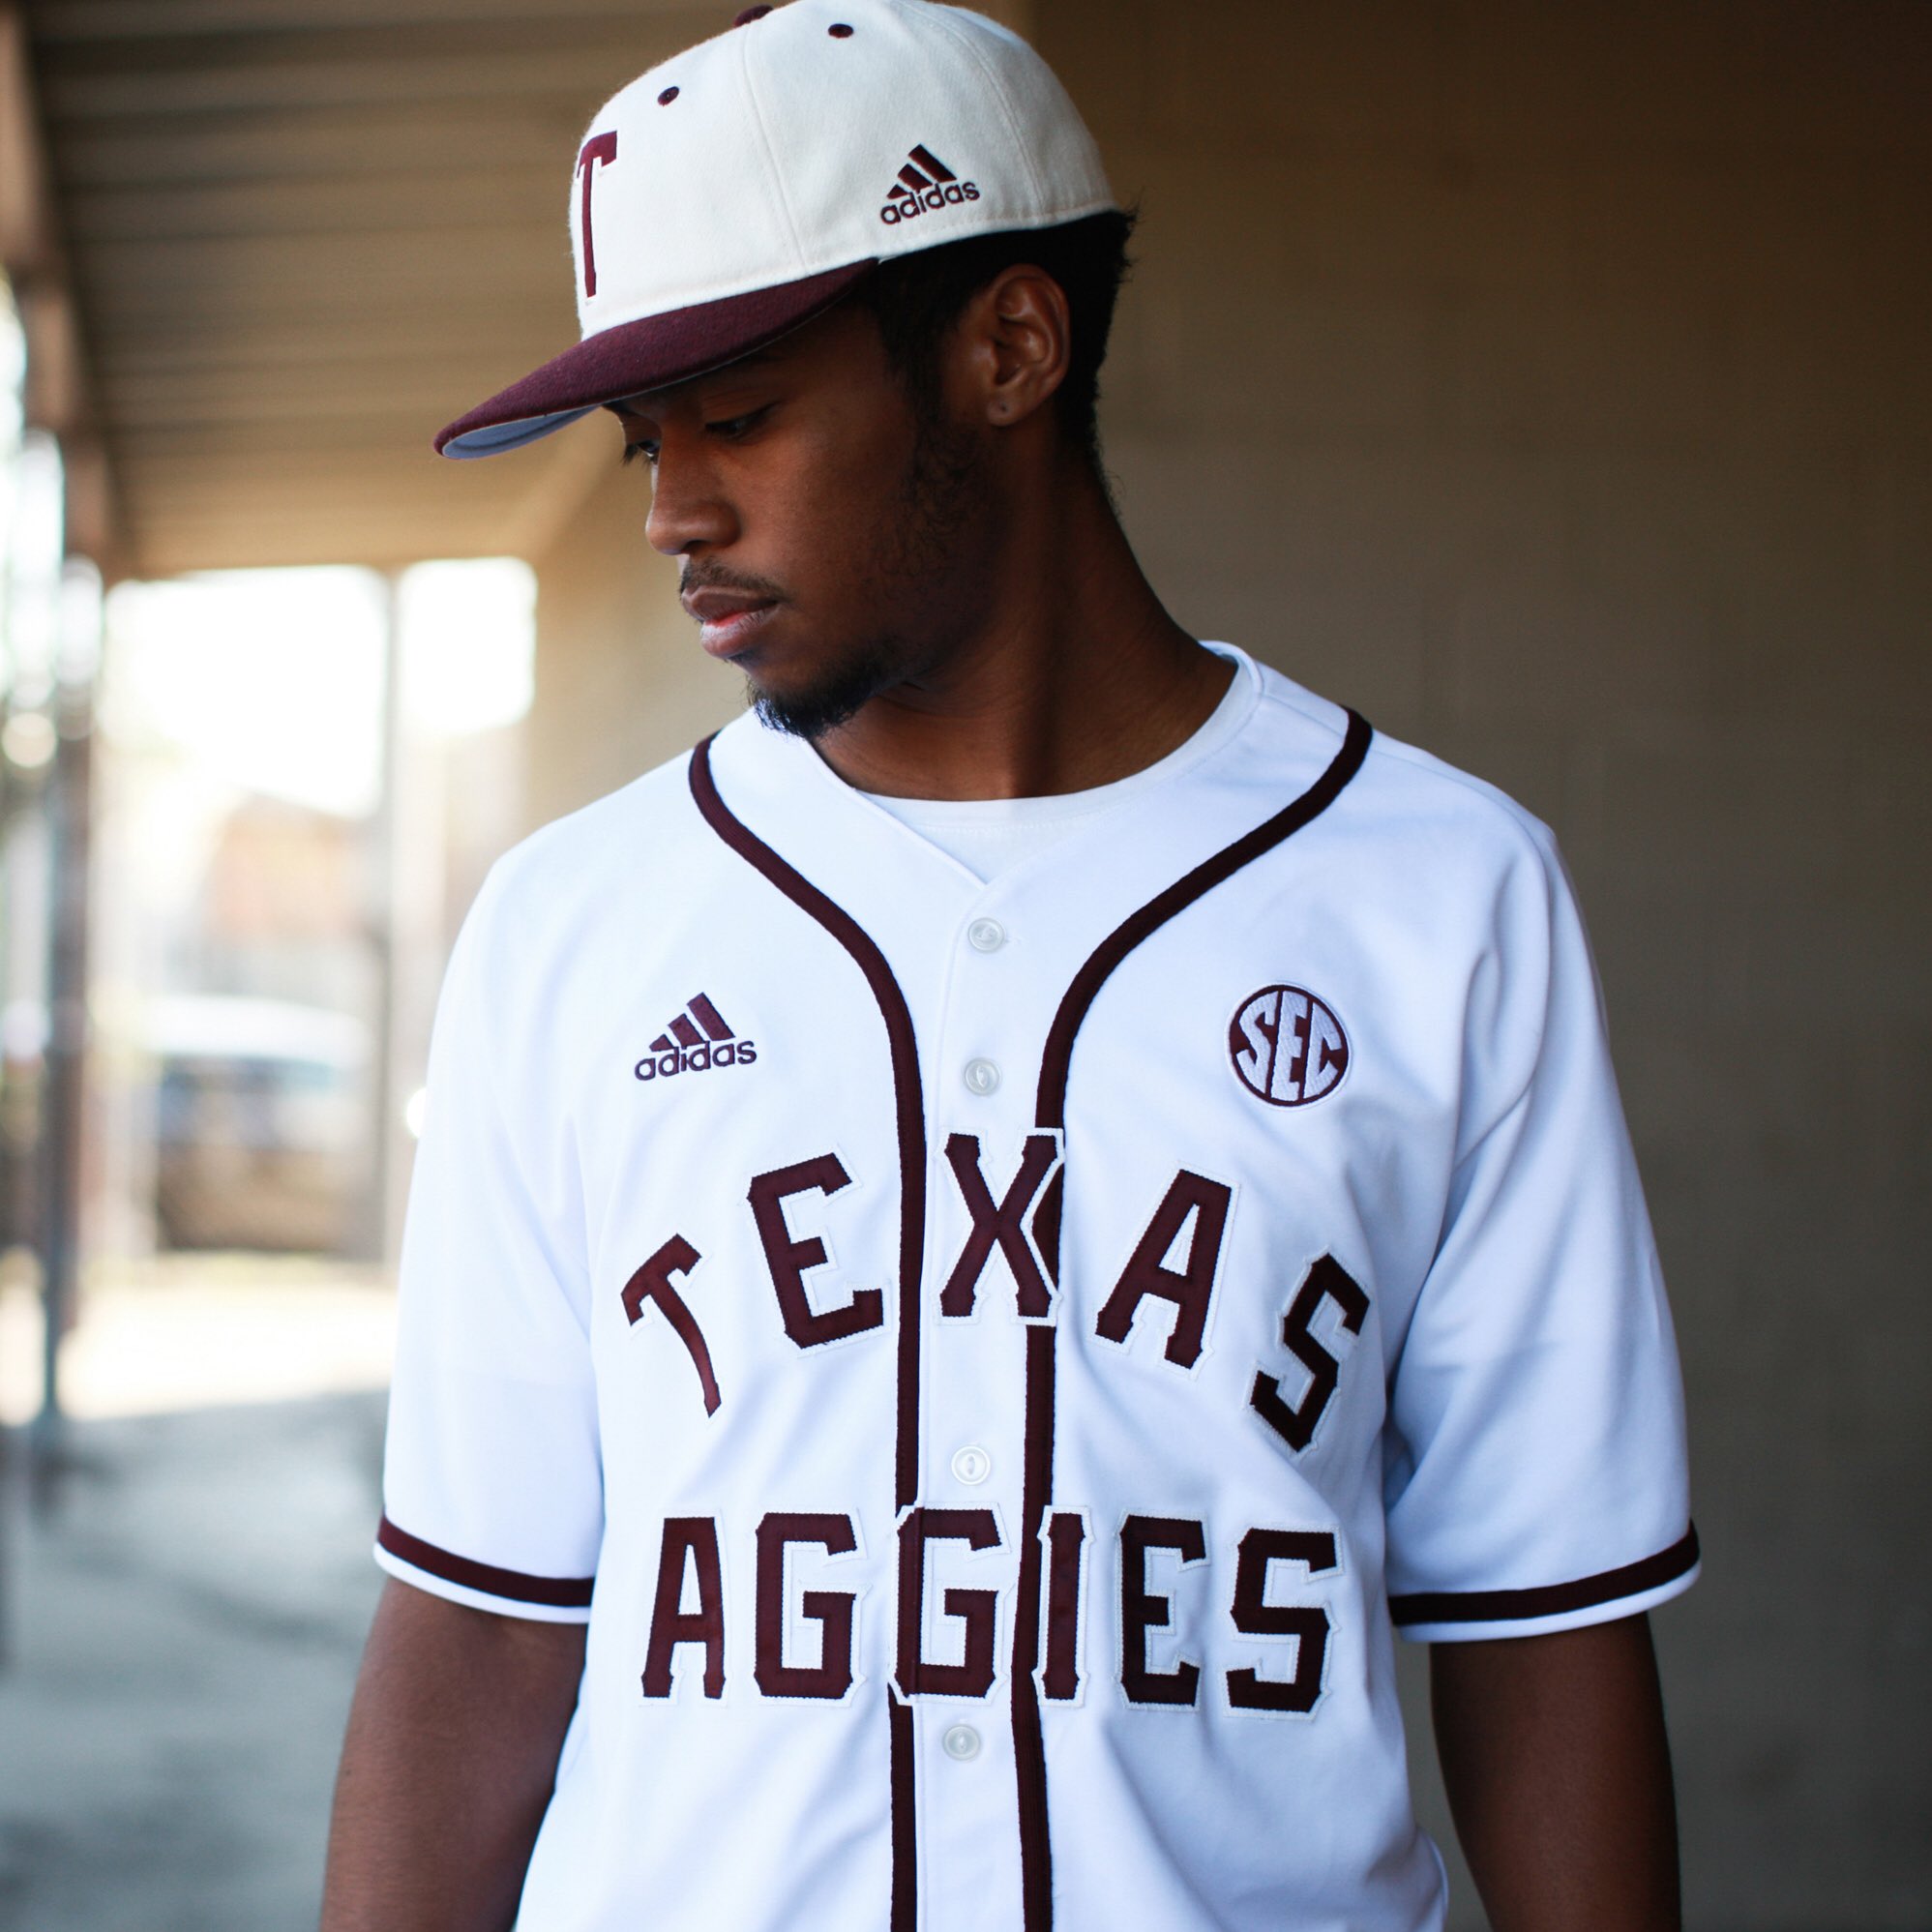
[626,845]
[1405,793]
[602,836]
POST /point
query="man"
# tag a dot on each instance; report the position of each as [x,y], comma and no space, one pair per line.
[993,1232]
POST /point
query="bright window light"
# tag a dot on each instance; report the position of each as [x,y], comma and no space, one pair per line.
[468,633]
[271,679]
[36,514]
[29,740]
[13,368]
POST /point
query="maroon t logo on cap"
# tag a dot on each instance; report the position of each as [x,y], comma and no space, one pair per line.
[604,148]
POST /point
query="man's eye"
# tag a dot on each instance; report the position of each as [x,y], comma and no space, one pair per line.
[733,426]
[648,451]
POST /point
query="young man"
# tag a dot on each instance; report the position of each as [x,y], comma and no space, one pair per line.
[984,1240]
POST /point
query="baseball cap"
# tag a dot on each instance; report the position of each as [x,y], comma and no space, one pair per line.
[741,187]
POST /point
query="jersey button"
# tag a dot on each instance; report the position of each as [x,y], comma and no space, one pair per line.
[986,935]
[981,1077]
[971,1465]
[960,1742]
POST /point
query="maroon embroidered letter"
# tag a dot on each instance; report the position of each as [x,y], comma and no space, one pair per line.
[1146,1272]
[977,1609]
[788,1259]
[1256,1617]
[1003,1224]
[830,1608]
[652,1283]
[1327,1280]
[604,148]
[1066,1541]
[1141,1612]
[687,1537]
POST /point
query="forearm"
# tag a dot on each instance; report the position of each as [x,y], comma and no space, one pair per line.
[448,1764]
[1558,1775]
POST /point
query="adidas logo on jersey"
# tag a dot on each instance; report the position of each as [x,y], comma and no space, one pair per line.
[696,1041]
[924,183]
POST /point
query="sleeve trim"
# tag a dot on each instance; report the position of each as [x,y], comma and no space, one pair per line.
[1556,1600]
[559,1592]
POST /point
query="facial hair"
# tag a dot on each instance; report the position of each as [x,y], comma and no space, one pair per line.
[944,483]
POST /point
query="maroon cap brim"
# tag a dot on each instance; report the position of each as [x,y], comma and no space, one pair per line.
[646,354]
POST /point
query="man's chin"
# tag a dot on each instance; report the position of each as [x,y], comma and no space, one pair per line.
[811,709]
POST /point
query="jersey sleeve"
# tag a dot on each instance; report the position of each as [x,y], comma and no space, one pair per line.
[1537,1478]
[492,1491]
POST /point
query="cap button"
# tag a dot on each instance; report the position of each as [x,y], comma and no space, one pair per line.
[750,15]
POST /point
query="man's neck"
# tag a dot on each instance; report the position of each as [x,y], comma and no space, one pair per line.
[1072,676]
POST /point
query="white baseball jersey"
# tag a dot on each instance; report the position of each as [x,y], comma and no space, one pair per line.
[993,1363]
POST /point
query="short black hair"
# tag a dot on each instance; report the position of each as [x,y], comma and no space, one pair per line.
[916,298]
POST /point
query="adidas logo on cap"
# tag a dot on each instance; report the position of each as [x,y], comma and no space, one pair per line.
[924,183]
[696,1041]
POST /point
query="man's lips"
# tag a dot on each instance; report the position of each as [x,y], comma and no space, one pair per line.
[726,618]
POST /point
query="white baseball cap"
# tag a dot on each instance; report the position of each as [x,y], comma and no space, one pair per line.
[741,187]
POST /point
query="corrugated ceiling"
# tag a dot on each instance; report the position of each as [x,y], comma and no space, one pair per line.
[302,236]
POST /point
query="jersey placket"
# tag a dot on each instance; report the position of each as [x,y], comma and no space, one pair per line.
[984,1288]
[955,1851]
[982,1101]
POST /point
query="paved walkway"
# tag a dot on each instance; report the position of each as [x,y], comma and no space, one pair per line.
[183,1625]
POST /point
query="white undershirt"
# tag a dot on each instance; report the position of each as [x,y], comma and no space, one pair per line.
[989,835]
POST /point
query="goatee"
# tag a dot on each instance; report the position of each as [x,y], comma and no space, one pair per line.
[829,703]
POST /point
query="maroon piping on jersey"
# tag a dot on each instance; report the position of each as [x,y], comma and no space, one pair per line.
[560,1592]
[1050,1115]
[1556,1600]
[910,1108]
[904,1816]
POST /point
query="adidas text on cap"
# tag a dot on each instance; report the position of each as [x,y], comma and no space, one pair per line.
[744,186]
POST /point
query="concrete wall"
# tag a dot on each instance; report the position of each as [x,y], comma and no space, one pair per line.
[1551,382]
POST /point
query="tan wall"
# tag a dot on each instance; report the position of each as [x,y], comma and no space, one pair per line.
[1552,383]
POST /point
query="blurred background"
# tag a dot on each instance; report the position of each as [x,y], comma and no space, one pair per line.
[1550,382]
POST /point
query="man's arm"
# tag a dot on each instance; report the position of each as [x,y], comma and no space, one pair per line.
[451,1753]
[1558,1775]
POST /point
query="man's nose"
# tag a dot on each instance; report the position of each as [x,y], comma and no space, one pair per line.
[688,511]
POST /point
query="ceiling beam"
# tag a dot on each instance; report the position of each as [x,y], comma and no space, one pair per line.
[303,233]
[63,21]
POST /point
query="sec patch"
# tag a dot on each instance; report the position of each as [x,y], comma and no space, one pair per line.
[1286,1045]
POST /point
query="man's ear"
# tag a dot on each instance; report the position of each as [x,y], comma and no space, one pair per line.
[1015,339]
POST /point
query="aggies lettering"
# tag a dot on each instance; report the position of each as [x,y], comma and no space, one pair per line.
[691,1572]
[689,1603]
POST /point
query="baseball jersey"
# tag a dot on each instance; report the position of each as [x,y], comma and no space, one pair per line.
[995,1363]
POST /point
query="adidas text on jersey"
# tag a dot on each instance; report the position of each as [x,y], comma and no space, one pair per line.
[696,1041]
